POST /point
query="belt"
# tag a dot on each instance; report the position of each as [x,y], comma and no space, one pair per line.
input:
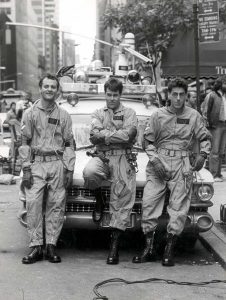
[46,158]
[115,152]
[47,153]
[168,152]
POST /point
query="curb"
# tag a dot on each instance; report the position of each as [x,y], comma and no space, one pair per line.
[215,241]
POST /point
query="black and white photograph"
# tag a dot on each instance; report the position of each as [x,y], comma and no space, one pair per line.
[112,149]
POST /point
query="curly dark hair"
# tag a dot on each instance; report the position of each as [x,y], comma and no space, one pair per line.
[177,82]
[49,76]
[114,85]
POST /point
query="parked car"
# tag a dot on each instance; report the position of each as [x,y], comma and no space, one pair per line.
[80,201]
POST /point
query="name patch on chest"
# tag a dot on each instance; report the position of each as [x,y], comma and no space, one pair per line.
[118,118]
[182,121]
[53,121]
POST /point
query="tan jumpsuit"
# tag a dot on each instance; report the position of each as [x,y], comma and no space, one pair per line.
[115,127]
[49,152]
[171,138]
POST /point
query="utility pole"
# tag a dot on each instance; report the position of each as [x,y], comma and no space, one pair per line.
[196,43]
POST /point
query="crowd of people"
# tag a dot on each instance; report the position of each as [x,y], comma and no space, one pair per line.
[174,133]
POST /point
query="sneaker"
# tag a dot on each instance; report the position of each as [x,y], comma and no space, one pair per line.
[218,179]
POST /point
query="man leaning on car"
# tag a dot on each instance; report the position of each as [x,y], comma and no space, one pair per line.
[168,140]
[113,132]
[48,158]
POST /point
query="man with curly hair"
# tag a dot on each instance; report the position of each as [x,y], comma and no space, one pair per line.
[168,140]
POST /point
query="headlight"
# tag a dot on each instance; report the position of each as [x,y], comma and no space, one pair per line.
[205,192]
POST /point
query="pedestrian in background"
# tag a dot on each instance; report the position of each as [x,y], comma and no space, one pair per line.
[204,104]
[191,100]
[15,127]
[113,132]
[216,117]
[48,159]
[24,103]
[167,141]
[11,114]
[11,118]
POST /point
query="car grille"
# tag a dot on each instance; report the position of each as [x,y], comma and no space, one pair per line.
[88,194]
[89,207]
[83,200]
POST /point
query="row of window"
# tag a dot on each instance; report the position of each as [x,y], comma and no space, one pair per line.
[6,10]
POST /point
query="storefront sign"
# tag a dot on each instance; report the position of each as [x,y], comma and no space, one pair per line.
[221,70]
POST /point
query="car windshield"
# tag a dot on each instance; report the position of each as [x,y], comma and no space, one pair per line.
[81,129]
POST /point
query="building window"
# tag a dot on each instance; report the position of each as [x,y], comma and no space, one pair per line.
[6,10]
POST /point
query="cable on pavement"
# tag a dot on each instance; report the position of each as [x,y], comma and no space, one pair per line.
[168,281]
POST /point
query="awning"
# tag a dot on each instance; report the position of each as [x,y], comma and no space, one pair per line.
[180,58]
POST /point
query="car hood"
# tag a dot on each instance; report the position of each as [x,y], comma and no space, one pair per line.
[142,160]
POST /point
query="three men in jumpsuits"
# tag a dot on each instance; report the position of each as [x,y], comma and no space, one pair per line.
[113,132]
[168,140]
[48,159]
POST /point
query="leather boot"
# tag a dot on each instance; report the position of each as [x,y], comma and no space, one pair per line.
[113,257]
[168,256]
[148,253]
[36,254]
[51,255]
[99,206]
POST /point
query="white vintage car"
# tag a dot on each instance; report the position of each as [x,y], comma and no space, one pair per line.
[80,201]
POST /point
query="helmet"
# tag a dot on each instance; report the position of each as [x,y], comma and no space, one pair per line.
[133,77]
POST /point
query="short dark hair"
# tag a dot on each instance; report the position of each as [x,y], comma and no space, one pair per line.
[177,82]
[49,76]
[114,85]
[218,83]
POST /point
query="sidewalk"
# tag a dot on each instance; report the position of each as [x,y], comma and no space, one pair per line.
[215,239]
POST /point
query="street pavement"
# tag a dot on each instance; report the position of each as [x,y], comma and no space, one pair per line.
[83,267]
[215,239]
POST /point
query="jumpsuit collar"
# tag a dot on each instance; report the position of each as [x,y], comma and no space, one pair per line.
[173,112]
[39,105]
[119,109]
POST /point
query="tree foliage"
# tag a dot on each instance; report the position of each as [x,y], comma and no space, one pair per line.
[153,22]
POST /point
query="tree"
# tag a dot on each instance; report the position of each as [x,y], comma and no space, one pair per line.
[153,22]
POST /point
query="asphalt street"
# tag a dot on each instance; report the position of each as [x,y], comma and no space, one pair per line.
[83,266]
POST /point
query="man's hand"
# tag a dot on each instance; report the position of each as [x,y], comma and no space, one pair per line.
[159,168]
[132,134]
[68,178]
[27,180]
[199,162]
[97,138]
